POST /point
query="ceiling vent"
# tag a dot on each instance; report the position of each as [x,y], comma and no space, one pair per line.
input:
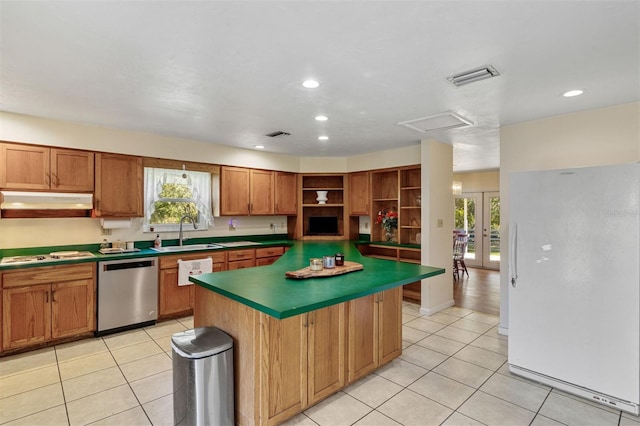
[443,121]
[278,133]
[477,74]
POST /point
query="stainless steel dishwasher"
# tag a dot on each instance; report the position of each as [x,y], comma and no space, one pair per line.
[127,294]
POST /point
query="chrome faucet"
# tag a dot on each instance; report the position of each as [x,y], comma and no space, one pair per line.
[193,221]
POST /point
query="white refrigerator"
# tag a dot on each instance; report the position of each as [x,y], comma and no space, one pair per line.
[574,270]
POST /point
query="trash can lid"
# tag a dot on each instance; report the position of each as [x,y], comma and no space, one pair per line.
[201,342]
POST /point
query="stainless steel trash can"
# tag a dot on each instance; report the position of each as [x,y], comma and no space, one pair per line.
[202,377]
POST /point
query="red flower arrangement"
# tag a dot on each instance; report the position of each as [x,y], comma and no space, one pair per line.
[388,219]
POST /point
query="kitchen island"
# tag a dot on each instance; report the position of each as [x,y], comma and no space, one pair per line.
[298,341]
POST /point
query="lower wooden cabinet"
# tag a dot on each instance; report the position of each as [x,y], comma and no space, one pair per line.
[285,365]
[175,300]
[375,331]
[43,304]
[304,364]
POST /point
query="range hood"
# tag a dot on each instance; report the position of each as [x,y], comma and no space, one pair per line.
[18,200]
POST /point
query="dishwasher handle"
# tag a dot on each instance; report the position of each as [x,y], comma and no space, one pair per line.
[128,265]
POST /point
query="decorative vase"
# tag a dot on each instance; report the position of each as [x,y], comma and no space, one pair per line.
[391,235]
[322,197]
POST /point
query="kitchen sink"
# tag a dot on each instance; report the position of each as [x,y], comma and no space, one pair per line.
[239,244]
[191,247]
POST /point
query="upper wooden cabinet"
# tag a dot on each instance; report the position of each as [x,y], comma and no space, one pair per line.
[246,191]
[359,194]
[286,193]
[119,186]
[42,168]
[261,190]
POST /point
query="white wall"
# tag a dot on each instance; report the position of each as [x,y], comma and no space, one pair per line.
[437,224]
[479,181]
[589,138]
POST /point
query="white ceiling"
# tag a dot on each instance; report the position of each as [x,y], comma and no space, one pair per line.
[229,72]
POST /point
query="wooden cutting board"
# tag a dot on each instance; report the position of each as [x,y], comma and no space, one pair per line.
[338,270]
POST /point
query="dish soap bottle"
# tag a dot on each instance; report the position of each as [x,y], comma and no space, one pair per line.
[157,243]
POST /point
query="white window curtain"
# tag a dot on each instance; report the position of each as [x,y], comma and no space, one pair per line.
[198,182]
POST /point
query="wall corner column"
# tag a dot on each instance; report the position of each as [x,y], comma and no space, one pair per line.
[437,224]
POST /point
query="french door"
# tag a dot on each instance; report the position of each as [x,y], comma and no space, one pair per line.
[478,214]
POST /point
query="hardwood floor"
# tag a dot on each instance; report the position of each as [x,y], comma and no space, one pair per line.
[480,291]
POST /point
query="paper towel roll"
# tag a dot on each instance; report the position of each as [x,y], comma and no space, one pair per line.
[115,223]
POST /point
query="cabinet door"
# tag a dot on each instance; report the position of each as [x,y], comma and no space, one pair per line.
[390,325]
[26,316]
[261,200]
[286,193]
[24,167]
[363,336]
[234,191]
[326,352]
[283,367]
[119,186]
[72,308]
[173,298]
[359,194]
[72,170]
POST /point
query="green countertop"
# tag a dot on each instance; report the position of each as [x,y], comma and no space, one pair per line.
[143,246]
[267,290]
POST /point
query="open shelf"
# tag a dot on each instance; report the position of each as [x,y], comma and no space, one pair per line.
[335,204]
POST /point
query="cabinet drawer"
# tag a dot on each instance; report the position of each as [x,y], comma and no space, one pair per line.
[241,264]
[264,261]
[241,254]
[269,251]
[48,274]
[167,262]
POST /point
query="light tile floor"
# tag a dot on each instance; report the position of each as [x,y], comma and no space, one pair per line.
[452,371]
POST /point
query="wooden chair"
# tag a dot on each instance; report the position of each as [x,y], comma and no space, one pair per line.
[459,249]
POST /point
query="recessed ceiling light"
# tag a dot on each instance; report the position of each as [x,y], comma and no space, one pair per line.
[321,118]
[323,138]
[310,84]
[572,93]
[258,146]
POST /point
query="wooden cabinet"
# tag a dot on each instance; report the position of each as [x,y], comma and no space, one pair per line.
[240,259]
[375,331]
[246,191]
[302,359]
[285,365]
[267,255]
[312,207]
[286,193]
[359,194]
[119,186]
[48,303]
[261,192]
[43,168]
[175,300]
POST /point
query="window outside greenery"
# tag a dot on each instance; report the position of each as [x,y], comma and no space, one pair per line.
[172,194]
[174,202]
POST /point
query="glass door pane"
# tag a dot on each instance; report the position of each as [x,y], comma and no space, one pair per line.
[466,211]
[491,228]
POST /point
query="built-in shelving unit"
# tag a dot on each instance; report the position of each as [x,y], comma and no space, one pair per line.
[398,189]
[410,206]
[334,184]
